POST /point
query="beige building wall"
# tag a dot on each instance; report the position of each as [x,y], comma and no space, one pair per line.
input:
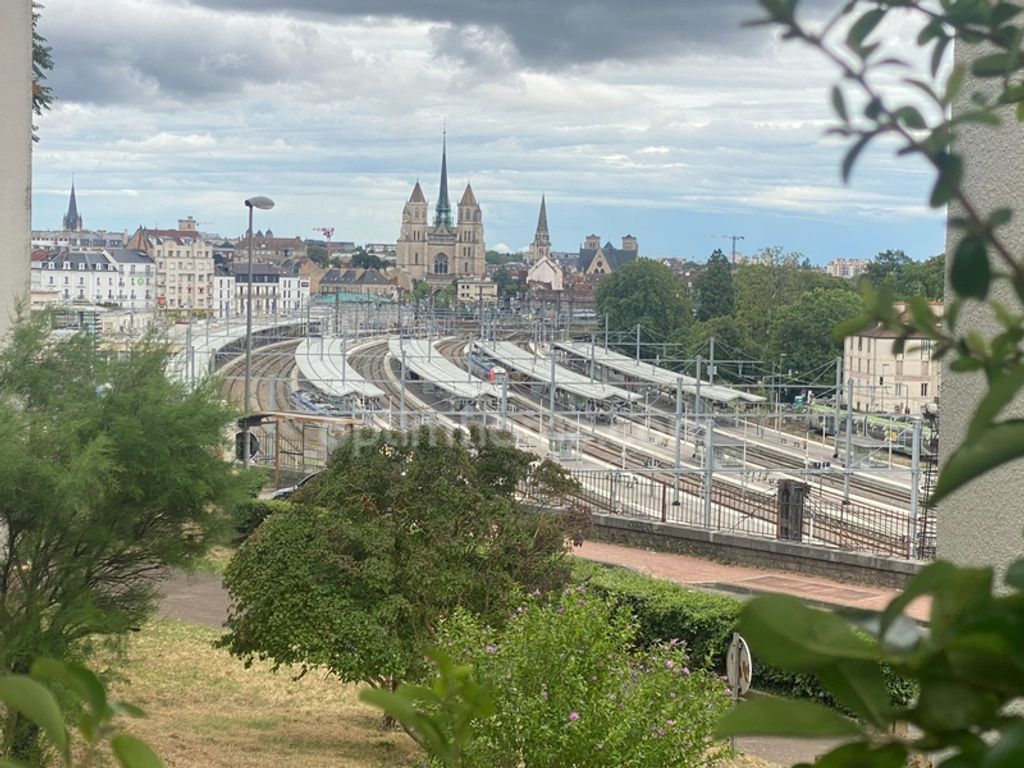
[983,522]
[15,155]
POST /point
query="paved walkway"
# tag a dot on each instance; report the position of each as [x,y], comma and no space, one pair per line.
[741,579]
[199,598]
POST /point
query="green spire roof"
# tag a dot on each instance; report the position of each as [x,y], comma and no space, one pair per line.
[443,211]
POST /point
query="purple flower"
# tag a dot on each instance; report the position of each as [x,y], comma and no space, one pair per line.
[490,648]
[574,716]
[669,663]
[686,671]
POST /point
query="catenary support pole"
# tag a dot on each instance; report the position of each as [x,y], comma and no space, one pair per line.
[849,442]
[915,485]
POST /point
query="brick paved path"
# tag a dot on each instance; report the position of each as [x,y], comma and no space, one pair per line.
[741,579]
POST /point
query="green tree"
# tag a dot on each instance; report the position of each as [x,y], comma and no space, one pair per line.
[397,532]
[897,274]
[714,288]
[317,254]
[363,260]
[648,294]
[42,62]
[731,344]
[509,283]
[802,331]
[110,472]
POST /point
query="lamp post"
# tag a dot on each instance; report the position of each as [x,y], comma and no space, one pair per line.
[264,204]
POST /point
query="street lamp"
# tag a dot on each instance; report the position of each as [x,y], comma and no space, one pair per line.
[264,204]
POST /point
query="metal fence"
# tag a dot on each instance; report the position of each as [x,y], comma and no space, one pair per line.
[737,503]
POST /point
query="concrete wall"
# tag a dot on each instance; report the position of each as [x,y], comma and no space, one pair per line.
[15,154]
[983,523]
[855,567]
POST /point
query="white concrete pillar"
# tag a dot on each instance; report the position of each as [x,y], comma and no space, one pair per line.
[983,523]
[15,155]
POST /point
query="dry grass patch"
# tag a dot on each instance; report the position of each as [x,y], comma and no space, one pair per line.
[204,709]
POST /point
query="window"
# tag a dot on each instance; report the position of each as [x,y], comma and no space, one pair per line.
[924,389]
[926,349]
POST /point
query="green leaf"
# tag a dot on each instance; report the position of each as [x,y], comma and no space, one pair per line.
[860,687]
[787,633]
[784,717]
[938,52]
[76,677]
[970,273]
[432,737]
[1014,576]
[928,581]
[992,447]
[853,153]
[862,755]
[9,762]
[35,702]
[950,169]
[910,117]
[863,27]
[1008,752]
[1002,388]
[839,104]
[992,65]
[954,84]
[134,753]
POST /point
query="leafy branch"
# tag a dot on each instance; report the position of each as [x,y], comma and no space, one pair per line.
[861,61]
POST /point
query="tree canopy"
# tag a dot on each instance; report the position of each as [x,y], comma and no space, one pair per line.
[397,532]
[905,278]
[109,472]
[714,288]
[645,293]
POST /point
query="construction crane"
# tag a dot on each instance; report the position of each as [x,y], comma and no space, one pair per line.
[734,238]
[328,232]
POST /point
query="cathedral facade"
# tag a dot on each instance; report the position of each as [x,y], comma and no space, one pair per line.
[441,250]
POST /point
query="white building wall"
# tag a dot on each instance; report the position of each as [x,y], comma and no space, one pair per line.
[15,154]
[982,523]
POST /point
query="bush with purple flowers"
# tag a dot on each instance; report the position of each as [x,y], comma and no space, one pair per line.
[570,689]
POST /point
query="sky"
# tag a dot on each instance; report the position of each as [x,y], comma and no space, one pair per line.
[664,119]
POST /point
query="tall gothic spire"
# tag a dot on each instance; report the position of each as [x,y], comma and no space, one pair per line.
[72,220]
[443,211]
[542,220]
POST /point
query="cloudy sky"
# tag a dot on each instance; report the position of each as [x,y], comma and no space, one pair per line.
[660,118]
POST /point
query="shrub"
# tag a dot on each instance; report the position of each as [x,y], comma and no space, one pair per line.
[705,623]
[247,516]
[571,688]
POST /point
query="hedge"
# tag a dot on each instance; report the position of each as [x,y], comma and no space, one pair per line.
[705,622]
[247,516]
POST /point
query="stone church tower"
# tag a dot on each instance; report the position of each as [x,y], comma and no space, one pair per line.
[540,248]
[444,250]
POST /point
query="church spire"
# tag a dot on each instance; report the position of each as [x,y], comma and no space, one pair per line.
[443,211]
[540,248]
[72,220]
[542,220]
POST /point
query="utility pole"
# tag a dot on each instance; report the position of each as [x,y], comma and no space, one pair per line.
[839,400]
[849,440]
[711,363]
[679,422]
[638,343]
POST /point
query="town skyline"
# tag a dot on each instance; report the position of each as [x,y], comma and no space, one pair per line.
[679,142]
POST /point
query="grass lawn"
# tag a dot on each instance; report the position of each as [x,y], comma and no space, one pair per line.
[204,709]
